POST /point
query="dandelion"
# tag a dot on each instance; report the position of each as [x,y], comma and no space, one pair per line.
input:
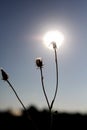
[54,45]
[39,62]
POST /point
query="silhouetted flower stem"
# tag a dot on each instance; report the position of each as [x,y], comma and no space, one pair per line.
[16,95]
[56,62]
[27,114]
[51,116]
[44,88]
[18,99]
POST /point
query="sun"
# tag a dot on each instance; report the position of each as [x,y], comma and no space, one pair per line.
[53,36]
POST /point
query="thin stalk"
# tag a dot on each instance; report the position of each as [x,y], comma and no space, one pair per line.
[27,114]
[44,89]
[46,98]
[19,99]
[56,62]
[16,95]
[51,114]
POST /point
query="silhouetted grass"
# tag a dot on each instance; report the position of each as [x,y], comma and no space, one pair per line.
[60,120]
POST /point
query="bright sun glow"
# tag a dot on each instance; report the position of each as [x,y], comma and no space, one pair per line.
[53,36]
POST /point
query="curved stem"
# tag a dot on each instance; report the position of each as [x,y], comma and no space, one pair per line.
[56,78]
[44,88]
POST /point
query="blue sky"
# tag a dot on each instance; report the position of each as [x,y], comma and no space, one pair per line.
[23,24]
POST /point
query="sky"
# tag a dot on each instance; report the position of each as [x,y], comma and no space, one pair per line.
[23,24]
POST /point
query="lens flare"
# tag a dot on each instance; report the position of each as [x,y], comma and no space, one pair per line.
[53,36]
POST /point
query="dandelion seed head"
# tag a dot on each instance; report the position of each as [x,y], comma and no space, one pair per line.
[39,62]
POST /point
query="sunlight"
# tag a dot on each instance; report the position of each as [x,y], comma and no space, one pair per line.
[53,36]
[16,112]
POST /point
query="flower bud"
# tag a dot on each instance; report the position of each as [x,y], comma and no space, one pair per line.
[54,45]
[4,75]
[39,62]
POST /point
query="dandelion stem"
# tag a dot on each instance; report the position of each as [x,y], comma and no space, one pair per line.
[44,88]
[27,114]
[56,78]
[16,95]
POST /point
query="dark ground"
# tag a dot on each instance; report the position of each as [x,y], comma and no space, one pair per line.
[40,120]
